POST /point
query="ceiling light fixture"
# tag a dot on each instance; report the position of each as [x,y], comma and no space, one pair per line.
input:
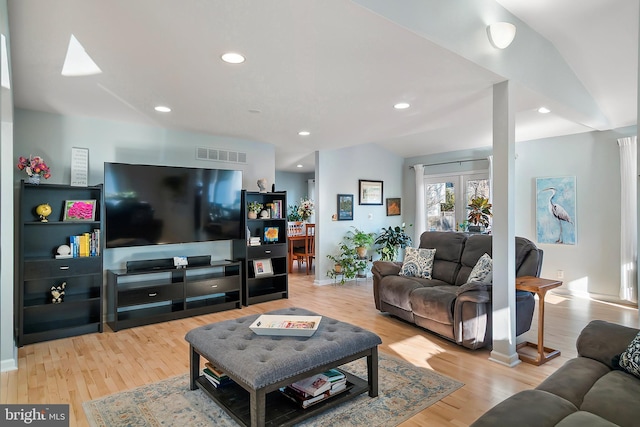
[233,58]
[298,166]
[543,110]
[304,133]
[402,106]
[501,34]
[162,109]
[78,62]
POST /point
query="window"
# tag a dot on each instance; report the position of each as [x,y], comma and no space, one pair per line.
[447,197]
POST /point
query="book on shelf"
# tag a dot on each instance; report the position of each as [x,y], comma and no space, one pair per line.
[216,377]
[304,400]
[254,241]
[85,244]
[313,385]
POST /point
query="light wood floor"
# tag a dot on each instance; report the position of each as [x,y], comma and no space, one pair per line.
[83,368]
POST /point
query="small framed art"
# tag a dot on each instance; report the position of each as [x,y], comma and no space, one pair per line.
[393,206]
[262,267]
[370,192]
[79,210]
[271,234]
[345,207]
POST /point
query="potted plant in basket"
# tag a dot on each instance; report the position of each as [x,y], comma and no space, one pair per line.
[361,240]
[390,241]
[253,208]
[479,213]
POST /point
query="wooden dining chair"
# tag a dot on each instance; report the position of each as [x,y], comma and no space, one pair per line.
[308,252]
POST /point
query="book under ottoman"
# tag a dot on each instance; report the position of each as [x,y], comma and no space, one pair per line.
[261,364]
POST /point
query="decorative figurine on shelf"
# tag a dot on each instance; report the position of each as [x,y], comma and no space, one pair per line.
[43,211]
[262,185]
[264,214]
[57,293]
[64,251]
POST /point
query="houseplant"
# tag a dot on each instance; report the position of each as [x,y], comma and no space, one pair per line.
[35,167]
[362,241]
[390,241]
[479,211]
[347,263]
[254,209]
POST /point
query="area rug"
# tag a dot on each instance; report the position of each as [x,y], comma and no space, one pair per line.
[403,391]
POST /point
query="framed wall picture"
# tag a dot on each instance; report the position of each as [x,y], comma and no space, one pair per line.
[370,192]
[393,206]
[79,166]
[79,210]
[271,234]
[556,210]
[262,267]
[345,207]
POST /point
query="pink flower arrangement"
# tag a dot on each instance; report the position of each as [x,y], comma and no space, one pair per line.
[80,210]
[34,165]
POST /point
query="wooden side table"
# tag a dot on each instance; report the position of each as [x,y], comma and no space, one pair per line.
[540,287]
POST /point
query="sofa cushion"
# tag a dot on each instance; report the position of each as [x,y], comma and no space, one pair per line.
[574,379]
[418,263]
[449,247]
[584,419]
[630,358]
[483,270]
[614,397]
[590,343]
[435,303]
[395,290]
[529,408]
[475,246]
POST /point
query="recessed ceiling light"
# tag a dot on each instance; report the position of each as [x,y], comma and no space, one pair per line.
[402,106]
[304,133]
[254,111]
[233,58]
[298,166]
[162,109]
[543,110]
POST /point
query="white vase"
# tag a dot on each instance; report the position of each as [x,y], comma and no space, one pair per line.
[34,179]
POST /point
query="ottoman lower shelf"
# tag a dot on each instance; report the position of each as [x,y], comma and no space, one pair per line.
[280,410]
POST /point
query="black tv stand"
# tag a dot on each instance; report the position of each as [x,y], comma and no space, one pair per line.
[154,294]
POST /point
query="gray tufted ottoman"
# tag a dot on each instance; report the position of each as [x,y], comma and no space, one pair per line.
[261,364]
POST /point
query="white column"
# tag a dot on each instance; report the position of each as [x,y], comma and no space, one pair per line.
[503,229]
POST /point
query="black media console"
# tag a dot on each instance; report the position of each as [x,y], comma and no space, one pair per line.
[154,291]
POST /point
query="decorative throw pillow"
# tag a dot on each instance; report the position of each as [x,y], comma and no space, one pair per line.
[418,262]
[630,358]
[483,271]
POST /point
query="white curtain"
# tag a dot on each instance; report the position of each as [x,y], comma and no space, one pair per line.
[421,213]
[628,218]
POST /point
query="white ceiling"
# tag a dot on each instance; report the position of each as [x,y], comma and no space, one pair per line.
[332,67]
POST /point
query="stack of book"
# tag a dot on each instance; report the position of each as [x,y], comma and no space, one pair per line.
[215,376]
[254,241]
[316,388]
[86,244]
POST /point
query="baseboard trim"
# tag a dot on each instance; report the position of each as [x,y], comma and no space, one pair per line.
[8,365]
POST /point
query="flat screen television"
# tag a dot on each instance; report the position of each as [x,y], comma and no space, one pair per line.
[154,205]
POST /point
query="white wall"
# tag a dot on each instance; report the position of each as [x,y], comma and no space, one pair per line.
[592,265]
[295,184]
[8,355]
[338,172]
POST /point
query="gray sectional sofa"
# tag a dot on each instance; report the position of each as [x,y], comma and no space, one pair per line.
[446,304]
[589,390]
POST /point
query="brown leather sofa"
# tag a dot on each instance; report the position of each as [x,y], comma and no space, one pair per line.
[446,304]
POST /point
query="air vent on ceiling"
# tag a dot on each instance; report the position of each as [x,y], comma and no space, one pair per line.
[218,155]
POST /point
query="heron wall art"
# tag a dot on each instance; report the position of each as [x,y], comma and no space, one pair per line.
[556,210]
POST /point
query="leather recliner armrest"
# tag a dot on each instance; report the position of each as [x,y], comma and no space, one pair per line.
[473,286]
[386,268]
